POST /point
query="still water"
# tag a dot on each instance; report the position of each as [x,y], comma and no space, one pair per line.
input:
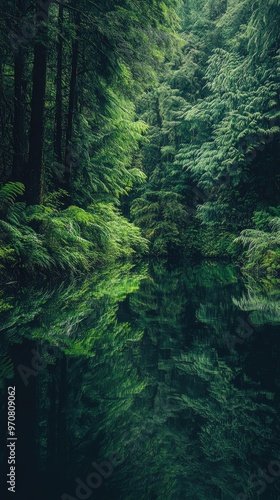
[143,383]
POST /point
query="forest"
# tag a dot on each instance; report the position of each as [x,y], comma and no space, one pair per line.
[140,248]
[133,129]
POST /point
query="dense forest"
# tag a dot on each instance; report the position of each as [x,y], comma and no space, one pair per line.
[140,248]
[141,127]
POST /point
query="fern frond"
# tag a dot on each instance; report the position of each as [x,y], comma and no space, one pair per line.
[9,193]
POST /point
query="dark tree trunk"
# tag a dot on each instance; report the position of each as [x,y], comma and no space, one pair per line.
[19,117]
[5,171]
[58,110]
[34,176]
[72,101]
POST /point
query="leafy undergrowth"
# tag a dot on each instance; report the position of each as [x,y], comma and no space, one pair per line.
[262,255]
[45,238]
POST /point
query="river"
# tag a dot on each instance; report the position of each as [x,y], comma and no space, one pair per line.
[142,383]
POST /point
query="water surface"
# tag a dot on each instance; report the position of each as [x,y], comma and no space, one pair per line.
[143,383]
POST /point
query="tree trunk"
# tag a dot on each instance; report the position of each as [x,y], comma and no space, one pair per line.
[58,110]
[19,117]
[34,178]
[72,102]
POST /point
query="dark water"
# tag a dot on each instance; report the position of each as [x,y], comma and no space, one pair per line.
[141,384]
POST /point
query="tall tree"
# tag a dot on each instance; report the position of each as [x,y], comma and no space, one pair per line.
[34,174]
[19,104]
[72,98]
[58,111]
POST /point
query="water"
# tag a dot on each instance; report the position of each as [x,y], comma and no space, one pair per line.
[144,383]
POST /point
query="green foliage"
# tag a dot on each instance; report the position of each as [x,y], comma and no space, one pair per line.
[45,238]
[162,217]
[214,242]
[214,127]
[105,165]
[262,219]
[263,248]
[174,104]
[96,60]
[8,193]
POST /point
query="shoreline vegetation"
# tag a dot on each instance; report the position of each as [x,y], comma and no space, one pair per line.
[139,130]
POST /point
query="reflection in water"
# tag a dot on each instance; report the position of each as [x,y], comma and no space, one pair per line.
[152,370]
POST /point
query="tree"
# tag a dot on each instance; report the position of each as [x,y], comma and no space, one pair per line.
[19,125]
[34,175]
